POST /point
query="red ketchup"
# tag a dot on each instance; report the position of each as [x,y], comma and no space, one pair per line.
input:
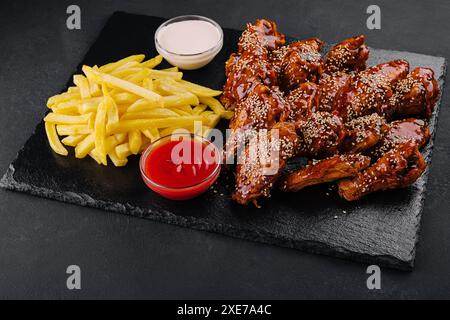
[180,169]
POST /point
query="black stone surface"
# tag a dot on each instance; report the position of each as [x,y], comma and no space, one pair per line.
[381,229]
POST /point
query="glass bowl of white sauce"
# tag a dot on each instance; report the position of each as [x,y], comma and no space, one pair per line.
[189,42]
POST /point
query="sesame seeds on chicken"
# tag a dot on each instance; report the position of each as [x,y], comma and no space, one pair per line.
[331,110]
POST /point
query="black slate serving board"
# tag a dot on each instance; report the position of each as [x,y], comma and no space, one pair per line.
[380,229]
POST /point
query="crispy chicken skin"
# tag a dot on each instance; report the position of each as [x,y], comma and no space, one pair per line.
[398,168]
[347,56]
[401,131]
[321,135]
[298,62]
[257,171]
[416,94]
[326,170]
[300,103]
[329,87]
[369,91]
[363,133]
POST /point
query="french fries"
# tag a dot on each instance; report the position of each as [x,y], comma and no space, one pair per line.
[116,110]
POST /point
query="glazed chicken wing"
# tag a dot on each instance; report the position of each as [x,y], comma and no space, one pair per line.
[298,62]
[401,131]
[416,94]
[262,162]
[260,37]
[363,133]
[329,86]
[369,91]
[251,66]
[321,135]
[261,109]
[327,170]
[347,56]
[300,103]
[398,168]
[244,73]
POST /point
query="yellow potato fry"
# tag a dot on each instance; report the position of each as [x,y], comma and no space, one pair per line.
[122,108]
[66,119]
[213,103]
[122,84]
[124,97]
[122,73]
[114,65]
[134,141]
[172,69]
[53,139]
[110,105]
[123,150]
[185,108]
[179,100]
[151,63]
[198,90]
[152,113]
[73,90]
[128,65]
[181,112]
[94,154]
[85,146]
[199,109]
[147,83]
[142,124]
[89,105]
[81,82]
[168,87]
[73,129]
[113,111]
[119,98]
[70,107]
[170,130]
[158,74]
[94,89]
[228,114]
[145,144]
[137,77]
[100,132]
[116,160]
[141,104]
[211,120]
[91,121]
[72,141]
[120,137]
[152,133]
[110,143]
[53,101]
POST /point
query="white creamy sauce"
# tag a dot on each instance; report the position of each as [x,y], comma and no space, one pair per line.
[189,37]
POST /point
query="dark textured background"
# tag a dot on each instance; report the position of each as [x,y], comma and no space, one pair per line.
[124,257]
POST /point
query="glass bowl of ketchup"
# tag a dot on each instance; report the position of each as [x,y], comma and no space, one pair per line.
[180,166]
